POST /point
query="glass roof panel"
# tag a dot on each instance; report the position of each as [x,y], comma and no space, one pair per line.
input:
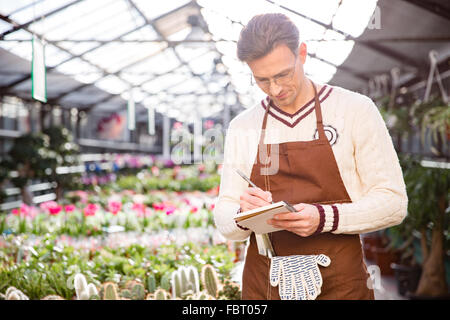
[164,82]
[30,13]
[191,51]
[115,55]
[112,84]
[67,22]
[54,56]
[4,26]
[10,7]
[334,50]
[80,70]
[353,16]
[321,10]
[142,34]
[319,71]
[22,49]
[203,64]
[160,63]
[194,85]
[154,9]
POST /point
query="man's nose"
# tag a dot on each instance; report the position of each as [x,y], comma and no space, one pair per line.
[274,89]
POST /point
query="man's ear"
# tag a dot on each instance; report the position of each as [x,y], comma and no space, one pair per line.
[302,52]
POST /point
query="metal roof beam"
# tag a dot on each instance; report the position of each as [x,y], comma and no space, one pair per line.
[26,24]
[432,7]
[4,89]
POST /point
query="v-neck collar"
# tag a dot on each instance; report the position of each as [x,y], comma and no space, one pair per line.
[291,120]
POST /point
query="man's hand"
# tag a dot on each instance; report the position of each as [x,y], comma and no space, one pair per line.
[304,222]
[253,198]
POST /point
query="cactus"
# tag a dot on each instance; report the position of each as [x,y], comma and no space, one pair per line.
[185,282]
[12,293]
[165,281]
[151,283]
[210,281]
[230,291]
[203,296]
[138,292]
[83,290]
[162,294]
[110,291]
[125,293]
[53,297]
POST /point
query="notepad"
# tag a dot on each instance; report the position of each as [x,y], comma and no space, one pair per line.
[256,219]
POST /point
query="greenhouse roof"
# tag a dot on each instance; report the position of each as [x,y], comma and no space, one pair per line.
[180,56]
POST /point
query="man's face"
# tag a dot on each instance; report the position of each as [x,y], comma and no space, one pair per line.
[280,74]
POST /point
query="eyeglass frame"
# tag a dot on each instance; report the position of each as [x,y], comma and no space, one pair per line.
[285,78]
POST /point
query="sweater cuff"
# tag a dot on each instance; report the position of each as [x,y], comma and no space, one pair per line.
[329,218]
[237,224]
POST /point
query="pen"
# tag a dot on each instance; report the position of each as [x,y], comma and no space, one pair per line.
[288,205]
[246,179]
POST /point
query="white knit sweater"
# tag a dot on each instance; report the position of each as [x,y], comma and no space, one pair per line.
[362,147]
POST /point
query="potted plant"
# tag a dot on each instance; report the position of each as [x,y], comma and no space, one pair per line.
[30,157]
[428,217]
[433,120]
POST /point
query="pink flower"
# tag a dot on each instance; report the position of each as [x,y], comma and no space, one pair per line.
[51,207]
[212,207]
[177,125]
[194,209]
[23,211]
[114,207]
[139,208]
[158,206]
[170,210]
[186,200]
[155,171]
[55,210]
[90,209]
[69,208]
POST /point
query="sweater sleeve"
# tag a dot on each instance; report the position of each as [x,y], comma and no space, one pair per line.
[231,187]
[384,200]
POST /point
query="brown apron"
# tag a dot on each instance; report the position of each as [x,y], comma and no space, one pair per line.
[307,173]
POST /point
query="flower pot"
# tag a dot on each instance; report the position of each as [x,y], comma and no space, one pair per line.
[407,278]
[383,258]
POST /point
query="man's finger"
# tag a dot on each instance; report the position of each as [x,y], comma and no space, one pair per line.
[288,216]
[257,192]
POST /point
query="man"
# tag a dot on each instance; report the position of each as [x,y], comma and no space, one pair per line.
[324,149]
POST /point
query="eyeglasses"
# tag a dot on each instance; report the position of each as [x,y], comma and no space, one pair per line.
[280,79]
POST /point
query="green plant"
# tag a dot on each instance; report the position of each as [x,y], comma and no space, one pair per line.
[13,293]
[53,297]
[110,291]
[210,280]
[230,291]
[84,291]
[185,282]
[428,217]
[162,294]
[136,290]
[433,119]
[151,283]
